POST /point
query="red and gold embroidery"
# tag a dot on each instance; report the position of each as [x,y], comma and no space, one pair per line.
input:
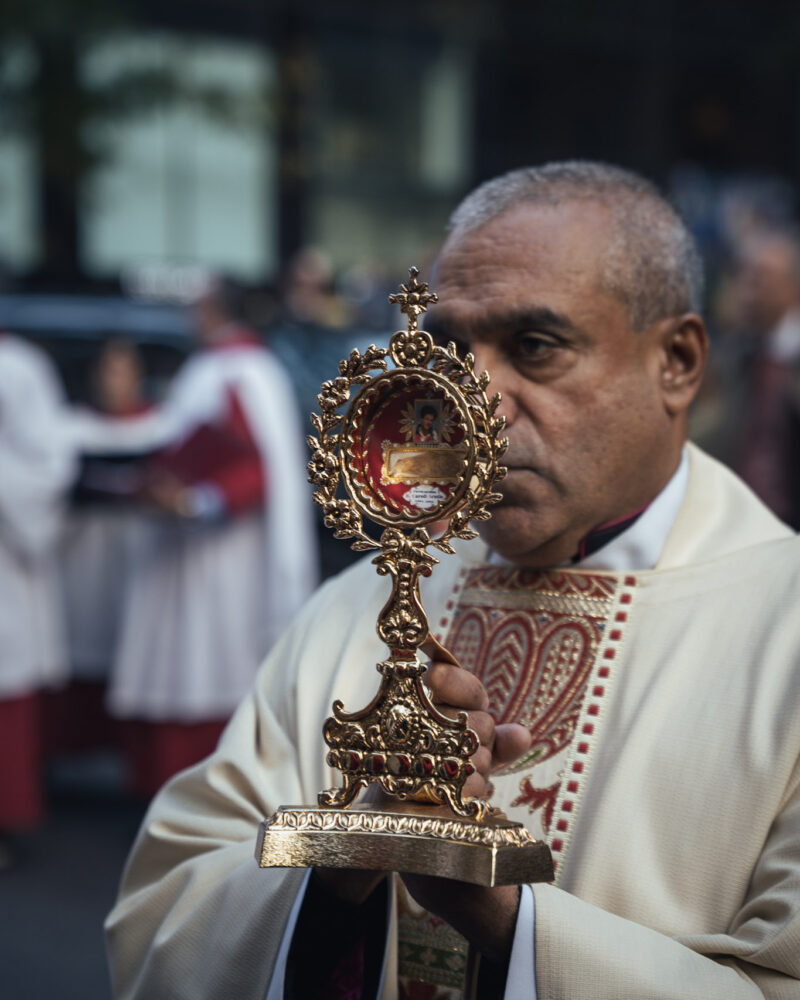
[568,800]
[532,638]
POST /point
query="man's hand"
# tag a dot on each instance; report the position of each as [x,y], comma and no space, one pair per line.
[168,493]
[353,885]
[350,885]
[486,917]
[455,690]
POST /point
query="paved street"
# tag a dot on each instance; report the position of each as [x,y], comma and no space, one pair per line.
[53,901]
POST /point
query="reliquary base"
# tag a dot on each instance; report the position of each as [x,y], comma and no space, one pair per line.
[404,837]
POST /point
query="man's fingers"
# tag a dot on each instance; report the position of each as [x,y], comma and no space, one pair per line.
[482,760]
[349,885]
[511,740]
[455,690]
[475,786]
[481,722]
[453,685]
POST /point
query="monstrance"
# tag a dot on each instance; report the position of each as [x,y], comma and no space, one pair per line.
[419,445]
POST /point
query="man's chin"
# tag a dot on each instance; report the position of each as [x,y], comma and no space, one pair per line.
[514,534]
[509,531]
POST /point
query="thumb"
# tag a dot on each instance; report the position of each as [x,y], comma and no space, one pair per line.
[511,740]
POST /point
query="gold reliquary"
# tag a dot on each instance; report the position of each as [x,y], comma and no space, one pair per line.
[412,434]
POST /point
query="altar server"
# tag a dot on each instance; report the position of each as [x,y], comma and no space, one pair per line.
[229,559]
[36,469]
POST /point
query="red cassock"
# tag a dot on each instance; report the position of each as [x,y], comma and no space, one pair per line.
[222,454]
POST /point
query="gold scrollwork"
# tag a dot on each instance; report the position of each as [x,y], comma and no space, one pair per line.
[306,820]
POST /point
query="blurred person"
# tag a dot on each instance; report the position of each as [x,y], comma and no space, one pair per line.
[312,326]
[106,525]
[628,624]
[36,470]
[231,558]
[365,288]
[766,393]
[310,334]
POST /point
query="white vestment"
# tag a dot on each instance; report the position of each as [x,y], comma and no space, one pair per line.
[36,468]
[676,830]
[207,600]
[97,556]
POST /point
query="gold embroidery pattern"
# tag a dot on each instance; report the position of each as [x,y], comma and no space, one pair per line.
[532,639]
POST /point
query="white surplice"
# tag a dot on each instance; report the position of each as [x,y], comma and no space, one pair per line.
[36,468]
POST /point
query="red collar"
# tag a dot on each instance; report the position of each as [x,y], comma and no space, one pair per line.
[604,533]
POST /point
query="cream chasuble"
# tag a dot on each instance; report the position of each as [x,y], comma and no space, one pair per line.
[666,707]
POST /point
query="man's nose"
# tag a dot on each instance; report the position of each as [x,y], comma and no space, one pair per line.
[502,379]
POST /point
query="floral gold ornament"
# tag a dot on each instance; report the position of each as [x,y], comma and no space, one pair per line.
[411,433]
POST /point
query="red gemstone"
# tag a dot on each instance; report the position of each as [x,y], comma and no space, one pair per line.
[375,763]
[423,766]
[449,767]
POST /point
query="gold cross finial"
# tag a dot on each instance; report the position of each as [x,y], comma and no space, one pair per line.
[413,298]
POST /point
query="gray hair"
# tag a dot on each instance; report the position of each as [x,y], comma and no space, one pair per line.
[651,262]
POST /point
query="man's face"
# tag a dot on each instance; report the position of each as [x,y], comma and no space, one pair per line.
[590,438]
[427,421]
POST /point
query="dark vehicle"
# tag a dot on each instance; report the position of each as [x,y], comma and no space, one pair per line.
[73,329]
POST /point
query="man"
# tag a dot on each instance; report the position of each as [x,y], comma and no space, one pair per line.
[633,653]
[231,557]
[36,469]
[425,432]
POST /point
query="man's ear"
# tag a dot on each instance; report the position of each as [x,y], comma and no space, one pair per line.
[683,342]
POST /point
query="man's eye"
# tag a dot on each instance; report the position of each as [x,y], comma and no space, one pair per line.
[533,346]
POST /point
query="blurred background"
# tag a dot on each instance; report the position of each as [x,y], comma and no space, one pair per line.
[306,153]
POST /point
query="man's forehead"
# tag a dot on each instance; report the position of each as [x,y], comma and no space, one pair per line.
[539,258]
[571,236]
